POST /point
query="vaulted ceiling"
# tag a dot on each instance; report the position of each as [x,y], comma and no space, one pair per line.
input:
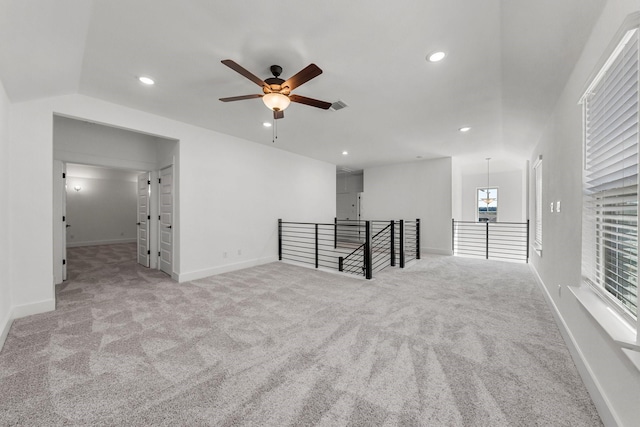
[506,63]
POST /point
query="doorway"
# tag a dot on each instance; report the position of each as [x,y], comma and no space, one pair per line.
[99,146]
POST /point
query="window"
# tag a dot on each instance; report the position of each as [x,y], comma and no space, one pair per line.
[610,184]
[537,236]
[487,204]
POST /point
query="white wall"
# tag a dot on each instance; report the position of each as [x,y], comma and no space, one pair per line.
[231,193]
[76,141]
[5,226]
[612,379]
[510,195]
[102,212]
[413,190]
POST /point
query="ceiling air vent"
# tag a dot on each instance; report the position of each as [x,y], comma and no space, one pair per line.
[338,105]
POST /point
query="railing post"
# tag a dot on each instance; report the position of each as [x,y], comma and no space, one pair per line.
[487,240]
[316,245]
[527,260]
[393,243]
[453,236]
[335,233]
[401,243]
[279,239]
[367,250]
[417,238]
[341,264]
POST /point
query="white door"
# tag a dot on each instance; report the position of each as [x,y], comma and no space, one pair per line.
[166,220]
[144,184]
[64,221]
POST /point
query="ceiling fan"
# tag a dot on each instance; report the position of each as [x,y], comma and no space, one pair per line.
[277,92]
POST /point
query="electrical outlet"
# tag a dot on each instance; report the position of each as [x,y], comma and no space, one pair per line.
[552,207]
[558,206]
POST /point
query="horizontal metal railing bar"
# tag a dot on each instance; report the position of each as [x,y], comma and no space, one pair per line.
[505,252]
[490,223]
[505,245]
[307,226]
[348,265]
[291,245]
[299,235]
[353,261]
[307,223]
[505,257]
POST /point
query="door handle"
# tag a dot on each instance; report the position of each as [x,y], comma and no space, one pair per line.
[137,223]
[68,226]
[168,226]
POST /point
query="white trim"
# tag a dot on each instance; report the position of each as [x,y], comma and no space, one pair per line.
[100,242]
[614,55]
[436,251]
[199,274]
[18,311]
[24,310]
[4,332]
[589,379]
[618,329]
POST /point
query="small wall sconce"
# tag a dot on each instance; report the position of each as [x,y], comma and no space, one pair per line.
[77,188]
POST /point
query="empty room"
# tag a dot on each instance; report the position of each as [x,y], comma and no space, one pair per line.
[332,213]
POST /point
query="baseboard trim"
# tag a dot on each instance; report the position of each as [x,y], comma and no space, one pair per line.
[25,310]
[199,274]
[436,251]
[99,242]
[6,325]
[586,373]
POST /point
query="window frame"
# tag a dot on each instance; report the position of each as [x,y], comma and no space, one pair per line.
[478,189]
[538,205]
[626,313]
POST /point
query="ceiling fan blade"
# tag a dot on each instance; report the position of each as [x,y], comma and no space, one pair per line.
[310,101]
[241,70]
[240,98]
[303,76]
[278,115]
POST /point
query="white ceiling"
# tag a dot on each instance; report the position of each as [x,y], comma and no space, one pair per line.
[507,62]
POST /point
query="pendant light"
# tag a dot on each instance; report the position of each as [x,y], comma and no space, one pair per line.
[488,200]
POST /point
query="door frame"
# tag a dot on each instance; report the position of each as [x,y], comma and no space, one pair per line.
[59,227]
[173,219]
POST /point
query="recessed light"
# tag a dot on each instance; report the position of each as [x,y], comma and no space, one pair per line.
[345,153]
[146,80]
[436,56]
[465,129]
[266,124]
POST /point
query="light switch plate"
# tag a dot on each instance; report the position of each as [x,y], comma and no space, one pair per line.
[551,207]
[558,206]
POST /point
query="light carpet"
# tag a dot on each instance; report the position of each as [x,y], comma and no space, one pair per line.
[446,342]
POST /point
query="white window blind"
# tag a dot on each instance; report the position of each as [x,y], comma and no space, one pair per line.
[610,211]
[537,169]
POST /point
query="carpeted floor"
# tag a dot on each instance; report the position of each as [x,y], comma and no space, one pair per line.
[446,342]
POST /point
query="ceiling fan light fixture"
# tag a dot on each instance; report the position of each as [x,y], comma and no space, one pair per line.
[276,101]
